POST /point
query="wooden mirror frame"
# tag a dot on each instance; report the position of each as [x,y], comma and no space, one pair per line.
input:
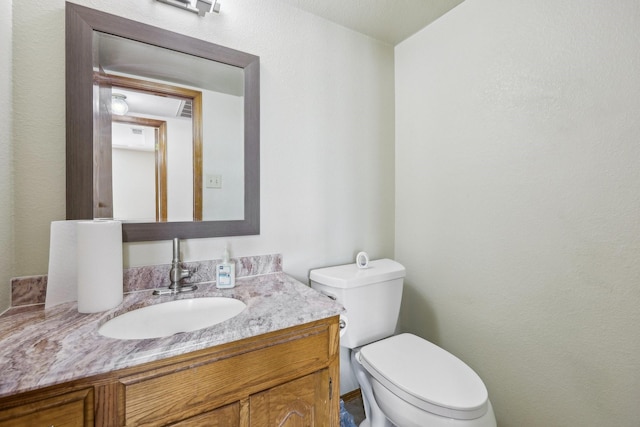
[81,22]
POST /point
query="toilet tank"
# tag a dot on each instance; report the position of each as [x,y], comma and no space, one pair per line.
[371,297]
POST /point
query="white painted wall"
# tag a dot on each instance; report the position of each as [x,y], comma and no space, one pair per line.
[179,169]
[134,182]
[223,155]
[6,134]
[518,202]
[327,133]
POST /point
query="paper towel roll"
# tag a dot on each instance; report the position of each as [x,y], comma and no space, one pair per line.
[99,258]
[344,323]
[62,275]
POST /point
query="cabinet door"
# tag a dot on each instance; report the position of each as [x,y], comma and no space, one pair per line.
[300,403]
[67,410]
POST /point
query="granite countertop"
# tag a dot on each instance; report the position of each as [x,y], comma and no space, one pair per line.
[39,348]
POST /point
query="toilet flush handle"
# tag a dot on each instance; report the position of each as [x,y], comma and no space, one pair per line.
[327,294]
[343,323]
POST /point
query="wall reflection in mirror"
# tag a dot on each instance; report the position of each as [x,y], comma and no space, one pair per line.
[177,153]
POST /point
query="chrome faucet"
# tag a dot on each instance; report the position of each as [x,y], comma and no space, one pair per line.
[176,274]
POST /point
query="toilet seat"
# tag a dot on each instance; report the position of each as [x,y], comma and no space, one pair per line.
[426,376]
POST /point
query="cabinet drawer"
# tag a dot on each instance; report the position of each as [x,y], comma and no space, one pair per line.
[67,410]
[184,391]
[227,416]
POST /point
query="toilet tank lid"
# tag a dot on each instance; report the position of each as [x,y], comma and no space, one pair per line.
[350,276]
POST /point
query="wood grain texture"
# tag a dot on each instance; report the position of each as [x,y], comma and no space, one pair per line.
[73,409]
[227,416]
[181,393]
[299,403]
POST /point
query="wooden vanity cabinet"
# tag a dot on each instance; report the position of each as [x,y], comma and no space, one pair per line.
[287,378]
[296,403]
[71,409]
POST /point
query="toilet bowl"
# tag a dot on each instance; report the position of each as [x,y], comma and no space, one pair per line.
[405,380]
[416,384]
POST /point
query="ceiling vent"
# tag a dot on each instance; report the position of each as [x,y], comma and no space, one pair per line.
[186,109]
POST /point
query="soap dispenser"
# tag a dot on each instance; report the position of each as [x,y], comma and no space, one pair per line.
[225,272]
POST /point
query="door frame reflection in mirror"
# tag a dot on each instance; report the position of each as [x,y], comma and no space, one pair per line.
[163,89]
[81,23]
[160,156]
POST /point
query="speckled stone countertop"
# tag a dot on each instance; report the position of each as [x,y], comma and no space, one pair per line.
[40,347]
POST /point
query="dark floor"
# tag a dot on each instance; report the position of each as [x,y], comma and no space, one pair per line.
[353,405]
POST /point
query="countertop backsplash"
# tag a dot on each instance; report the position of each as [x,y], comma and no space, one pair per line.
[31,290]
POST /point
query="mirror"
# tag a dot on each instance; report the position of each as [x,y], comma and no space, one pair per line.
[190,65]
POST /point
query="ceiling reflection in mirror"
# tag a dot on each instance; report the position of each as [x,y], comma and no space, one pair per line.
[212,192]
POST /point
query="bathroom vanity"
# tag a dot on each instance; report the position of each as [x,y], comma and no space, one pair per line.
[276,363]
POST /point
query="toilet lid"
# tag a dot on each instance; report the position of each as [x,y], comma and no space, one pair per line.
[426,376]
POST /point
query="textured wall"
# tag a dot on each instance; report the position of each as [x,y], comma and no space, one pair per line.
[518,202]
[327,132]
[6,239]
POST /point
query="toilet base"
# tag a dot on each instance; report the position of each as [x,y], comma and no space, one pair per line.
[365,423]
[374,417]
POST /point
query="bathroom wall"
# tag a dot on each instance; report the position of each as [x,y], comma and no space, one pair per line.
[518,202]
[134,173]
[6,236]
[222,158]
[182,155]
[327,133]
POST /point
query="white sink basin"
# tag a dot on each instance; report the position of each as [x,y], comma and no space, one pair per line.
[162,320]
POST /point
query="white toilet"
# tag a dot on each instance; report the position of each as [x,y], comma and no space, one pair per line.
[405,380]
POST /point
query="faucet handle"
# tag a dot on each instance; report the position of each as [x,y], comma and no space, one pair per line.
[186,273]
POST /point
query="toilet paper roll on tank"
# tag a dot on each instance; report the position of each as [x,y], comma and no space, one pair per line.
[85,265]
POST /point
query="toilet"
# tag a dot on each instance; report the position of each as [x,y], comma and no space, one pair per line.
[405,380]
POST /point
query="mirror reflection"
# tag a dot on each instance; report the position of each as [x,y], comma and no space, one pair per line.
[106,53]
[176,133]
